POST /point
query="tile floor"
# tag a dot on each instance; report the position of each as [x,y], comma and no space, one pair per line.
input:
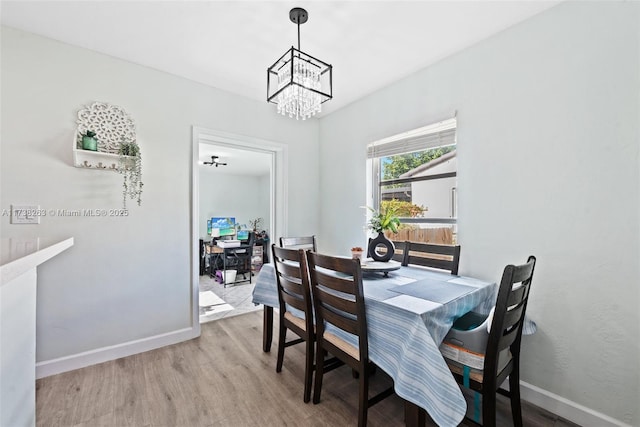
[237,295]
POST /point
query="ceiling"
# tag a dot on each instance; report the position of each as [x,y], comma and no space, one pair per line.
[230,45]
[238,161]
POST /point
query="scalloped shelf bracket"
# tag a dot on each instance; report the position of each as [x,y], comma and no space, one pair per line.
[95,160]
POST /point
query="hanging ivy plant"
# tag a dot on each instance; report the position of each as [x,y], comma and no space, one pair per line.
[131,169]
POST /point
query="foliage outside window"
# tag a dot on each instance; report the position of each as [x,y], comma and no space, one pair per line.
[394,166]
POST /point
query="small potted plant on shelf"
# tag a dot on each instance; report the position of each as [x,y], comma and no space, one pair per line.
[89,141]
[356,252]
[131,168]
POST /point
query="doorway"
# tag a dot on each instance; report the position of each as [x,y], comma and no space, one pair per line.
[250,185]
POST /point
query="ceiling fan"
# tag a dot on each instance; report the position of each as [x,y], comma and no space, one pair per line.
[215,160]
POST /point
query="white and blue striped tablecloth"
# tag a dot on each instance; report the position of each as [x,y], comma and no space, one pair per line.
[405,333]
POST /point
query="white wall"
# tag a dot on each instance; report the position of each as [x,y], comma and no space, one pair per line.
[228,195]
[548,161]
[126,279]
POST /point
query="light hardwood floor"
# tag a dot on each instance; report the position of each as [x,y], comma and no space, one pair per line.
[219,379]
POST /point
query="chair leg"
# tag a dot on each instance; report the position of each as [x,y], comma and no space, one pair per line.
[489,408]
[308,369]
[282,334]
[514,396]
[317,385]
[363,397]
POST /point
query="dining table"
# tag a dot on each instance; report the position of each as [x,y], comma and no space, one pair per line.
[409,310]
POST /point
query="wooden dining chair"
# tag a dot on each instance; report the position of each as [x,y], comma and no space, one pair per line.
[292,279]
[502,353]
[305,242]
[338,302]
[444,257]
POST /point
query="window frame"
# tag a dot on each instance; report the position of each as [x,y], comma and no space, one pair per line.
[437,135]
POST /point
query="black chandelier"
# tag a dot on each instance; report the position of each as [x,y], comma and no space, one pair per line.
[299,83]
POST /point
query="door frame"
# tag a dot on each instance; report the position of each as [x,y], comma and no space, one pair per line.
[278,201]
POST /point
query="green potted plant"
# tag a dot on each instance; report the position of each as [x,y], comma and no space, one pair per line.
[131,168]
[384,219]
[89,141]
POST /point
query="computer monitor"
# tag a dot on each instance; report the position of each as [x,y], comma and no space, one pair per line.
[243,235]
[226,226]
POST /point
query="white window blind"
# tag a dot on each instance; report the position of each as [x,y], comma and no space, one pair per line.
[424,138]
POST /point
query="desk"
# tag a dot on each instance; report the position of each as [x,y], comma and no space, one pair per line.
[404,335]
[240,253]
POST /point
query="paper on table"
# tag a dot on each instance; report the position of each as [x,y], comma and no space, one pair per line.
[433,290]
[412,304]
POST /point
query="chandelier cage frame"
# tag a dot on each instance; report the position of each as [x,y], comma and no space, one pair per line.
[298,82]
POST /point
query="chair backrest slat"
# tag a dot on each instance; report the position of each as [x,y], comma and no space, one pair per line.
[292,293]
[522,273]
[512,316]
[291,285]
[344,323]
[508,338]
[444,257]
[517,295]
[304,242]
[340,284]
[289,270]
[341,303]
[293,301]
[431,248]
[441,264]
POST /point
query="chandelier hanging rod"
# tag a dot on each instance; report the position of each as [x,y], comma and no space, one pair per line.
[298,16]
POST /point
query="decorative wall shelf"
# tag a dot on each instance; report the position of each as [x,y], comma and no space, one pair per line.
[112,126]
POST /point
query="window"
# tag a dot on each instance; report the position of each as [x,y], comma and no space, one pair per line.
[415,172]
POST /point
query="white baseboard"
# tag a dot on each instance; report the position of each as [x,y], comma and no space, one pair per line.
[565,408]
[105,354]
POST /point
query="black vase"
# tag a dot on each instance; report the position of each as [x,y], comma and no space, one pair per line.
[381,240]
